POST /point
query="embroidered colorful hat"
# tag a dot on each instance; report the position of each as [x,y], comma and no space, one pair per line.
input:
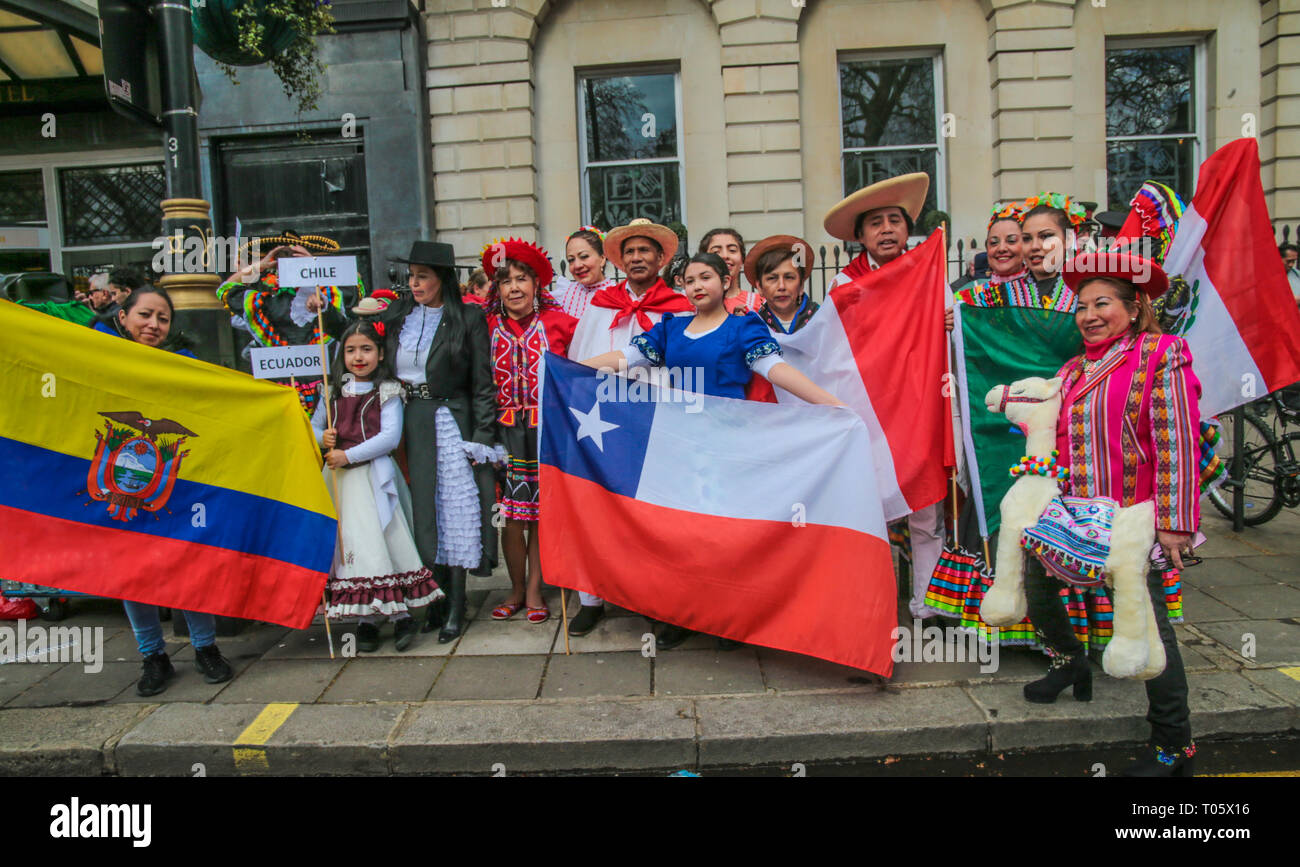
[530,254]
[799,246]
[1116,264]
[1154,214]
[905,191]
[639,228]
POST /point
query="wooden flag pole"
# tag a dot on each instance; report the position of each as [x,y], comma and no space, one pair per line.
[334,473]
[948,384]
[564,617]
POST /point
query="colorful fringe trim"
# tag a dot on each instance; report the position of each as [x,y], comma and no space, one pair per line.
[962,578]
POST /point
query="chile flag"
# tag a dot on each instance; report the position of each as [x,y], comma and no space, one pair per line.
[752,521]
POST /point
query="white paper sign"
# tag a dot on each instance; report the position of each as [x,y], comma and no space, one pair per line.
[282,362]
[317,270]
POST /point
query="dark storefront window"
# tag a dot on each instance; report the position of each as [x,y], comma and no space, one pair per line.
[22,199]
[112,204]
[290,183]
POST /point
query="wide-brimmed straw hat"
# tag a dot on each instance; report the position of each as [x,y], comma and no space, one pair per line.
[774,242]
[905,191]
[521,251]
[1116,264]
[639,228]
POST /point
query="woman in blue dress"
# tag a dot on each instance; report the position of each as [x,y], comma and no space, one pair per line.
[712,352]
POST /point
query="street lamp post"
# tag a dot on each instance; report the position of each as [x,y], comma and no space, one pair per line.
[185,211]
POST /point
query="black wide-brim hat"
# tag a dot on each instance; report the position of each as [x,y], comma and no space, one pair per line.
[435,254]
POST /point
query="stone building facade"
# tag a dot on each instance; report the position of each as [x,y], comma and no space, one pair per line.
[1020,99]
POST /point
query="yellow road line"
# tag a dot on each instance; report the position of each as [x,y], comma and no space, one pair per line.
[1256,774]
[259,731]
[1293,673]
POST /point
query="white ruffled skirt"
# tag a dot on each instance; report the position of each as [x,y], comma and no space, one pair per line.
[459,540]
[377,569]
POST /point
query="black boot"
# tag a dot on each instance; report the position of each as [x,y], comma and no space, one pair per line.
[1159,761]
[437,608]
[367,637]
[670,636]
[1064,671]
[588,617]
[404,633]
[455,623]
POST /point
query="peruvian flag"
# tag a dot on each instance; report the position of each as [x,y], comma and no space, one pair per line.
[1240,318]
[878,344]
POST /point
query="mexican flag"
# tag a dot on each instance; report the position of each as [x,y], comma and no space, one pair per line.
[997,346]
[1237,312]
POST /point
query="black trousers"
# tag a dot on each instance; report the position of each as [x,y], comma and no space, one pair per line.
[1166,693]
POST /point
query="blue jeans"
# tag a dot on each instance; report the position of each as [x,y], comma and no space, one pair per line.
[148,628]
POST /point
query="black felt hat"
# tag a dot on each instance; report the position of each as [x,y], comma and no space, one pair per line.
[435,254]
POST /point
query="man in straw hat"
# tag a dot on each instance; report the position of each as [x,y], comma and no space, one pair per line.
[278,315]
[620,312]
[880,217]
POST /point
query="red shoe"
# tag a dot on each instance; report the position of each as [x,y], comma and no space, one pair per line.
[539,615]
[507,610]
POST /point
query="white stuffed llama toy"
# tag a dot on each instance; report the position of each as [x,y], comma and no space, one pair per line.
[1135,651]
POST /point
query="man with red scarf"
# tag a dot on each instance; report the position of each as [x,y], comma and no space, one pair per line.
[617,314]
[881,217]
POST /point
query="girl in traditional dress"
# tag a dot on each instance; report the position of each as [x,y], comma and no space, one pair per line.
[712,352]
[525,322]
[729,246]
[377,574]
[584,252]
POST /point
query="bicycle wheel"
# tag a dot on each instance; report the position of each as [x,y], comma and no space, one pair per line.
[1259,456]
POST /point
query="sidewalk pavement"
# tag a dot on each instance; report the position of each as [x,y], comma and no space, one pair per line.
[505,699]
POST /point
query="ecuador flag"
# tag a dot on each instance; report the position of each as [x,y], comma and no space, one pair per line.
[133,473]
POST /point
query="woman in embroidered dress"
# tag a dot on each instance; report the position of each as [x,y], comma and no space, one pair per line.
[730,247]
[779,266]
[377,574]
[712,352]
[439,347]
[584,253]
[525,322]
[1129,430]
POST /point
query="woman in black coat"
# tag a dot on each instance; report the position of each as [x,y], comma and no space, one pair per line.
[439,347]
